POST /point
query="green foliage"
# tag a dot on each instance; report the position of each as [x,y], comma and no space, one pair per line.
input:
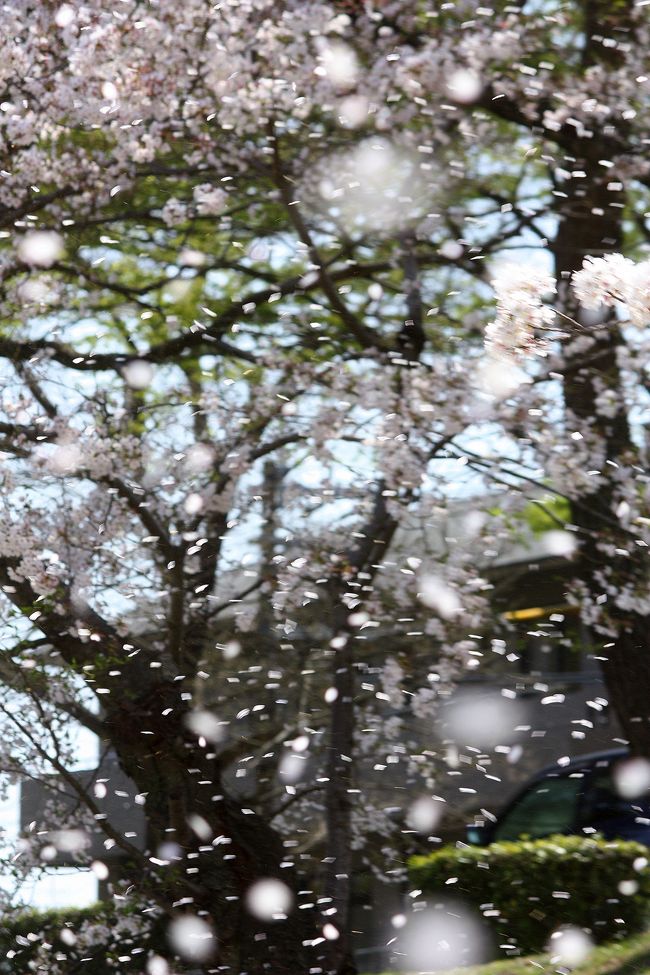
[528,889]
[628,957]
[95,940]
[549,513]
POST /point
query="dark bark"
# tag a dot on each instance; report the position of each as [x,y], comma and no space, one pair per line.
[338,809]
[627,674]
[180,779]
[591,224]
[606,19]
[411,338]
[370,550]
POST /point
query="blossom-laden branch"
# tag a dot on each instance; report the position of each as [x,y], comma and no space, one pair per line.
[524,323]
[521,312]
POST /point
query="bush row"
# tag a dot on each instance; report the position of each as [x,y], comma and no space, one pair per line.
[527,889]
[95,940]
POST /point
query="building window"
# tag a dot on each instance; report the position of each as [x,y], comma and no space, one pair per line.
[546,640]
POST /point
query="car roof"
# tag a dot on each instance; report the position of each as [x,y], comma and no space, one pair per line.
[582,762]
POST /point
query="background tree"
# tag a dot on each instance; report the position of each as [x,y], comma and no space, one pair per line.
[264,233]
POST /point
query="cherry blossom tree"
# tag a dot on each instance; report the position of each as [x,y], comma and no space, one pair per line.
[247,257]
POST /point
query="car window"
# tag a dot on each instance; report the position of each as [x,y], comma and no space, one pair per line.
[605,810]
[548,807]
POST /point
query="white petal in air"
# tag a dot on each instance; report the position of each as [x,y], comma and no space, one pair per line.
[559,543]
[424,814]
[440,939]
[377,186]
[64,15]
[338,63]
[499,377]
[451,249]
[99,869]
[353,111]
[632,778]
[482,718]
[269,899]
[40,248]
[156,965]
[138,374]
[231,650]
[437,595]
[71,840]
[570,946]
[628,887]
[464,86]
[199,457]
[193,504]
[206,725]
[109,91]
[191,938]
[291,768]
[65,459]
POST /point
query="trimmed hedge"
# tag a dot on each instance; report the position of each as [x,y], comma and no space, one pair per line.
[528,889]
[95,940]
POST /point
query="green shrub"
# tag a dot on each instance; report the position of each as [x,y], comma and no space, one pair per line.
[526,890]
[95,940]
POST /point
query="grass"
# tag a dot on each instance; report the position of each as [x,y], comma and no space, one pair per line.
[629,957]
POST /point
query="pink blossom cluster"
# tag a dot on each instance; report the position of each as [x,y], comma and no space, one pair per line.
[522,316]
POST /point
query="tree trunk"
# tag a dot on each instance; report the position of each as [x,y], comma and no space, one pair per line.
[370,550]
[181,780]
[338,811]
[591,224]
[627,674]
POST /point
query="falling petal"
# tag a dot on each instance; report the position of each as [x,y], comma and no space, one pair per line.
[191,938]
[424,814]
[269,899]
[40,248]
[570,946]
[442,938]
[138,374]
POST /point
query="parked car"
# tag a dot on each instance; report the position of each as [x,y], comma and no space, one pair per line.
[606,793]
